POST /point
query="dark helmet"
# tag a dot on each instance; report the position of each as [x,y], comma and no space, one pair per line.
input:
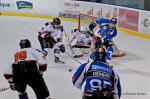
[99,55]
[113,20]
[98,43]
[25,43]
[75,30]
[56,21]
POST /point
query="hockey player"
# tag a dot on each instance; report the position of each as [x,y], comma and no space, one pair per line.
[96,79]
[82,42]
[98,22]
[96,40]
[26,67]
[105,34]
[50,35]
[83,39]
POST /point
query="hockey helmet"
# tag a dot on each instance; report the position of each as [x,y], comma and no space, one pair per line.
[75,30]
[56,21]
[113,21]
[25,43]
[83,28]
[99,55]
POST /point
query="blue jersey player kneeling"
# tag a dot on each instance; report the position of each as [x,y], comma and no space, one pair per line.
[96,79]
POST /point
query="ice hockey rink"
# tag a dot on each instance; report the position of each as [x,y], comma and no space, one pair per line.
[133,69]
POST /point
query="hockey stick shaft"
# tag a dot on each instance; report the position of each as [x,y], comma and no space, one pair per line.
[4,89]
[71,49]
[73,58]
[69,55]
[66,35]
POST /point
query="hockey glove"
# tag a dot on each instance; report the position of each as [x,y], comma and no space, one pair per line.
[92,26]
[61,28]
[11,84]
[10,80]
[62,48]
[42,68]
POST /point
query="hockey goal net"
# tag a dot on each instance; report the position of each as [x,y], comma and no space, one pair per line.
[84,20]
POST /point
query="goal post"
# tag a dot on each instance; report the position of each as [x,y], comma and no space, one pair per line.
[85,20]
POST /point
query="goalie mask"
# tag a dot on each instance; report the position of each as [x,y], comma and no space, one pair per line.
[83,29]
[25,43]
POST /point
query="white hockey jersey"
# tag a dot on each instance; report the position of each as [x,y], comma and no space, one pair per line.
[26,54]
[54,32]
[81,37]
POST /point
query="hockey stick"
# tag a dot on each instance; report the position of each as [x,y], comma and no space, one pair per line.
[71,49]
[4,89]
[66,35]
[68,54]
[117,52]
[74,55]
[73,58]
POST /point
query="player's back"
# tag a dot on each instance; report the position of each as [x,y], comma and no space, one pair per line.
[26,54]
[99,76]
[26,60]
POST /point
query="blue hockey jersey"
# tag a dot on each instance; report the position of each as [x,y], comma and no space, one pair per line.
[101,20]
[95,76]
[106,33]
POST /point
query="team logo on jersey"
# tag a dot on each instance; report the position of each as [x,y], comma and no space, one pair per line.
[24,5]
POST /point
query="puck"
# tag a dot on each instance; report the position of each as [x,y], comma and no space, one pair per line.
[70,70]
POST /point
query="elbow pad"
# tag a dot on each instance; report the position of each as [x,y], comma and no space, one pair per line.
[8,76]
[43,67]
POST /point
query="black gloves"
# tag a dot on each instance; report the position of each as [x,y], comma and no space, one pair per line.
[62,48]
[61,28]
[11,84]
[92,26]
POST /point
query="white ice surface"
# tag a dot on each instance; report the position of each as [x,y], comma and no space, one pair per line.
[134,68]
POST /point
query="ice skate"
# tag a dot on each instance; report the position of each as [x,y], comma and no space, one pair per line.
[57,60]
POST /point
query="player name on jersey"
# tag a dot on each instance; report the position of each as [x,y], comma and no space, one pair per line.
[101,68]
[99,74]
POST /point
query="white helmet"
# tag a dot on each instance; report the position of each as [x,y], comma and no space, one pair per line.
[83,28]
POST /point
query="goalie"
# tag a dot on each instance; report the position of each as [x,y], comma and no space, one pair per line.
[80,42]
[83,39]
